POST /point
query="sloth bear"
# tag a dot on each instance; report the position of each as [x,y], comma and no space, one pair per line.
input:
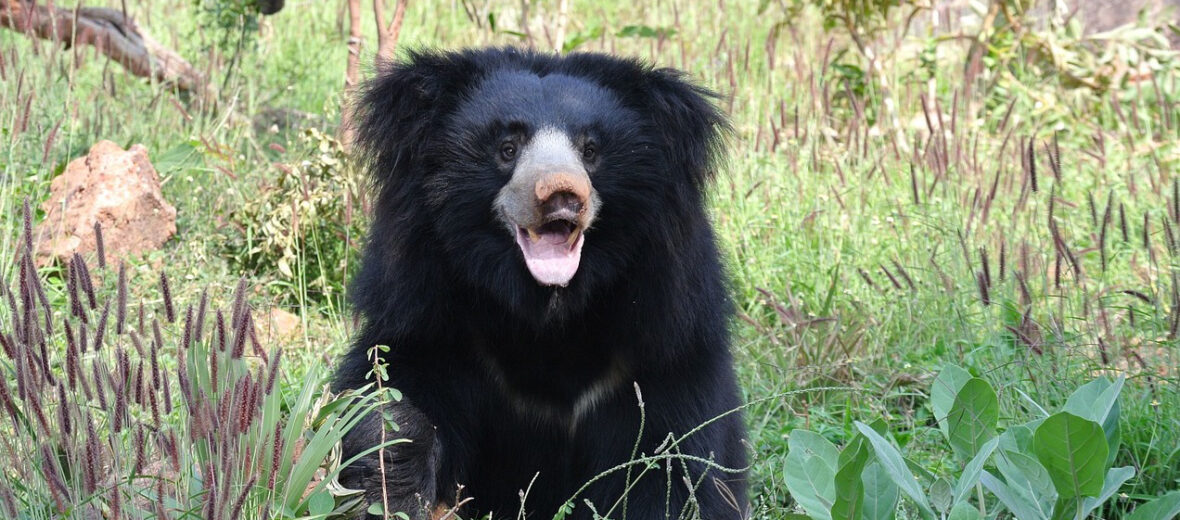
[542,268]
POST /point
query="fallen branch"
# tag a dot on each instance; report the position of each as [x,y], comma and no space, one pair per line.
[112,34]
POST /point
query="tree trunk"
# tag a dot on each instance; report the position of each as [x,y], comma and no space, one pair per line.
[387,34]
[352,73]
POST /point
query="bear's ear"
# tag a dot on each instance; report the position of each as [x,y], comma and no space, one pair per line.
[687,120]
[397,109]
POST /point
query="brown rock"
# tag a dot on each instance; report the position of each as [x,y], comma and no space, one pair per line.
[119,190]
[277,324]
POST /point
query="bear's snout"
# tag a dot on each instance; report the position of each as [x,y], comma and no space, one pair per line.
[560,199]
[547,204]
[560,191]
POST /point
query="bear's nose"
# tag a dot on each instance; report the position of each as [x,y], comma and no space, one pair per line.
[562,193]
[561,204]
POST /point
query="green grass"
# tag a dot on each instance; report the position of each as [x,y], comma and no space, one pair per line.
[823,183]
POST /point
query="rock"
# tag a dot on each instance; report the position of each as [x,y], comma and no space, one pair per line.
[120,190]
[277,324]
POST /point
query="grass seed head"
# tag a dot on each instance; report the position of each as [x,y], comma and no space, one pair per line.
[99,246]
[101,328]
[166,292]
[121,299]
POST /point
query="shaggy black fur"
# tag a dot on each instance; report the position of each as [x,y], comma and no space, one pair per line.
[506,380]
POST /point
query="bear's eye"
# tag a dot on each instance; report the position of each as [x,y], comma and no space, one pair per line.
[508,151]
[589,152]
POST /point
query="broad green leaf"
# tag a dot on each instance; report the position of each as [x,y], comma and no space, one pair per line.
[1165,507]
[881,495]
[964,511]
[811,471]
[1095,400]
[810,444]
[893,463]
[1018,439]
[1073,450]
[850,488]
[852,450]
[320,503]
[1098,402]
[973,416]
[922,474]
[942,495]
[1066,508]
[1024,473]
[796,516]
[1114,480]
[942,394]
[970,476]
[1020,505]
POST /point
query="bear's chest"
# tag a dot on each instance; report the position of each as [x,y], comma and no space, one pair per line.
[554,385]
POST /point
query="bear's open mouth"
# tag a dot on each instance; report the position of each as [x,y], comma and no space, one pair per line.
[552,251]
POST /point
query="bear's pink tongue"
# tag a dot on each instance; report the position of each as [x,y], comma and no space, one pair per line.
[550,258]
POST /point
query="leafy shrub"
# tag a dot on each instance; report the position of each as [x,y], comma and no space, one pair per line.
[863,16]
[1037,64]
[234,22]
[301,229]
[1056,466]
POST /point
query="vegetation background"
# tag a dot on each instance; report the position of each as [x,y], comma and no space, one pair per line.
[910,185]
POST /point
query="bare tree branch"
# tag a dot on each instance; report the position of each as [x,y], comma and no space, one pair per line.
[113,34]
[387,35]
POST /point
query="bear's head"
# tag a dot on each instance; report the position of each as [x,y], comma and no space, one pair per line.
[535,179]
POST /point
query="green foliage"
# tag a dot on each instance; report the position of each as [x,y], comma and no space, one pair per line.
[234,23]
[972,419]
[643,31]
[811,469]
[849,487]
[1049,468]
[861,16]
[593,32]
[1061,48]
[896,468]
[577,39]
[1166,507]
[1073,451]
[302,227]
